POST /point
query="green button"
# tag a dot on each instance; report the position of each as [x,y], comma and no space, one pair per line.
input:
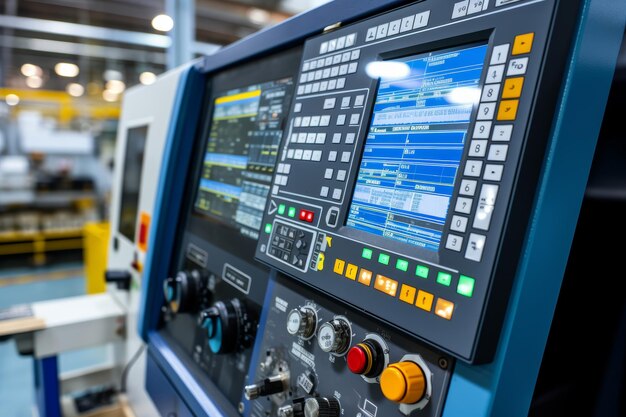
[268,228]
[383,258]
[421,271]
[292,212]
[402,265]
[444,278]
[466,286]
[367,253]
[281,209]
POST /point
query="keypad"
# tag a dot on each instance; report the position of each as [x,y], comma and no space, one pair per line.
[489,145]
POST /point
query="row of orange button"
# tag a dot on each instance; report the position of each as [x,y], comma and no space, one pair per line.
[424,300]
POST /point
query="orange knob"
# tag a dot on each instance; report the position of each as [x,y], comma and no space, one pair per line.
[403,382]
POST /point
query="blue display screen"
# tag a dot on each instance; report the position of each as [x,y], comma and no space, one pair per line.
[415,144]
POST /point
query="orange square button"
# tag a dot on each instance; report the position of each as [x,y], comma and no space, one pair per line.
[424,300]
[351,271]
[513,87]
[444,308]
[508,109]
[339,266]
[407,293]
[387,285]
[523,44]
[365,277]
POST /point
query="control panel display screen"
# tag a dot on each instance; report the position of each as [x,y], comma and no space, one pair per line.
[415,144]
[245,134]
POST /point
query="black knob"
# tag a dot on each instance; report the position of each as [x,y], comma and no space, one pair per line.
[269,386]
[229,326]
[321,407]
[183,293]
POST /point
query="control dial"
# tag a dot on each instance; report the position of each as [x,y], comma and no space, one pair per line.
[302,321]
[321,407]
[366,358]
[403,382]
[229,326]
[183,293]
[334,336]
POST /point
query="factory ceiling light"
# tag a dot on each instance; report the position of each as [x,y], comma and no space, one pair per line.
[65,69]
[147,78]
[75,89]
[109,96]
[34,81]
[115,86]
[12,99]
[28,70]
[163,23]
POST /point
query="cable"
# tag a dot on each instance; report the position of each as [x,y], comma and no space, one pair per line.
[128,366]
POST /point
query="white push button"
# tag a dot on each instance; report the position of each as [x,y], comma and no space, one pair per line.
[486,111]
[498,152]
[468,187]
[502,133]
[421,19]
[463,205]
[517,66]
[459,224]
[493,172]
[475,247]
[454,243]
[473,168]
[460,9]
[500,54]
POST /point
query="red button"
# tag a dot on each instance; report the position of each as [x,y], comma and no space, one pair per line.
[306,216]
[357,360]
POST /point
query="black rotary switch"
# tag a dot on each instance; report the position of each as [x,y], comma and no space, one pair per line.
[183,293]
[321,407]
[229,326]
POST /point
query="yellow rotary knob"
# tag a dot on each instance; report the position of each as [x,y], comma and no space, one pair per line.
[403,382]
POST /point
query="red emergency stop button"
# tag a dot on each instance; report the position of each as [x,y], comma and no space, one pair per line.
[357,360]
[366,358]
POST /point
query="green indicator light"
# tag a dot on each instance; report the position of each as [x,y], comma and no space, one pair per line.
[367,253]
[444,278]
[466,286]
[281,209]
[383,259]
[268,228]
[421,271]
[292,212]
[402,265]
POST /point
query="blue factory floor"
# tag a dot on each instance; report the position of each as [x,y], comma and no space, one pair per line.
[16,372]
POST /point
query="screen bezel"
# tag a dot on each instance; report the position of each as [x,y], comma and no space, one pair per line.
[210,228]
[475,39]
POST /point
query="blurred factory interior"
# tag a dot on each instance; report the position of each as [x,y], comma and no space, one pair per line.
[64,67]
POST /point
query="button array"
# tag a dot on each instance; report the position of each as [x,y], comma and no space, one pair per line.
[407,292]
[395,27]
[311,136]
[337,44]
[488,148]
[468,7]
[290,244]
[328,74]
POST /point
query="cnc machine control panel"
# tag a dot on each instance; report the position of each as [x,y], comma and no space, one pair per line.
[400,163]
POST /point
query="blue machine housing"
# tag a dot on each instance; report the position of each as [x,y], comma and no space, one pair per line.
[503,387]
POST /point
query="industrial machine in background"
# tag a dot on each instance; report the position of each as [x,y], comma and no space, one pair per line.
[357,212]
[146,126]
